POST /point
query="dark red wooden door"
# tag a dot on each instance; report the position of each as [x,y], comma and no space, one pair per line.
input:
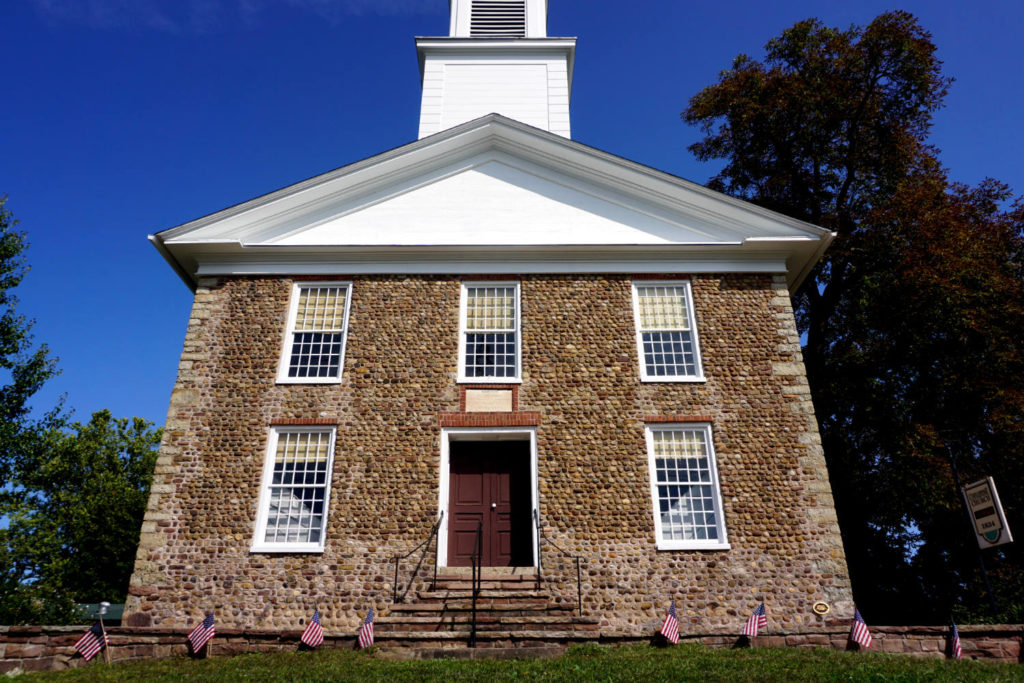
[489,487]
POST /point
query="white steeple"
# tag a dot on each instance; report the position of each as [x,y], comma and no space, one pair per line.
[498,59]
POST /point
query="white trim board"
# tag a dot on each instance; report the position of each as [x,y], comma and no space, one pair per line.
[350,266]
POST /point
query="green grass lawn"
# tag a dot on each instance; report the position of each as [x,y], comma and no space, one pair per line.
[583,663]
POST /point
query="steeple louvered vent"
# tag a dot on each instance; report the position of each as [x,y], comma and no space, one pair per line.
[498,19]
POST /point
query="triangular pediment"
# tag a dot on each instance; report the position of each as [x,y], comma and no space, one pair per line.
[490,184]
[497,199]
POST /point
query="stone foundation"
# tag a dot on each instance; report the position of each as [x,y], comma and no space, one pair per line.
[47,648]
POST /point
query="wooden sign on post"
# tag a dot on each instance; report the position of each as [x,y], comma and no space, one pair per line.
[987,513]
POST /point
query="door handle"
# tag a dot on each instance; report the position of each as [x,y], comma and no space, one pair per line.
[494,505]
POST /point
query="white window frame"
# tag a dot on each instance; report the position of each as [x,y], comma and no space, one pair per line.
[289,333]
[259,544]
[722,542]
[698,361]
[463,300]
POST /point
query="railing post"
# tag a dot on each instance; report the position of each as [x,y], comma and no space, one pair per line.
[579,587]
[437,541]
[536,524]
[394,586]
[475,582]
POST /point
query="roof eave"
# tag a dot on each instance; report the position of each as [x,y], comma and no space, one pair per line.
[183,273]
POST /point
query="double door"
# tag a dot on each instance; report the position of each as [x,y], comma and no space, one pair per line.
[489,489]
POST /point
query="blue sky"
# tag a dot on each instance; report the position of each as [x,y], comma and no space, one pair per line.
[125,117]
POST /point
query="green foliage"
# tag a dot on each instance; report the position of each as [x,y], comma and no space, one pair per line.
[71,504]
[23,371]
[75,521]
[914,320]
[592,663]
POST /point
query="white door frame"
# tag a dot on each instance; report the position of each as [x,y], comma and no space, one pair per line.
[449,434]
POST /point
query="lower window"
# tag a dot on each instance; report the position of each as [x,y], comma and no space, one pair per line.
[296,490]
[684,488]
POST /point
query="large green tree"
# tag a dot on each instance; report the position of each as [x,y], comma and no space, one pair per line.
[23,369]
[71,497]
[913,322]
[74,527]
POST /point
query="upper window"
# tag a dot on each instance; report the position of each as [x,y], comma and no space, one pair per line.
[314,347]
[665,332]
[489,332]
[295,493]
[684,488]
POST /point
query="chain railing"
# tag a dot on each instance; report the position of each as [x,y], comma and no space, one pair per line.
[542,539]
[425,546]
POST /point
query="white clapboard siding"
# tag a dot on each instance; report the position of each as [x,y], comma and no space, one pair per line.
[460,88]
[518,91]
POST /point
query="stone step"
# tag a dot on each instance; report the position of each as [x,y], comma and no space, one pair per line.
[504,638]
[502,605]
[489,574]
[526,595]
[482,627]
[484,623]
[507,618]
[487,586]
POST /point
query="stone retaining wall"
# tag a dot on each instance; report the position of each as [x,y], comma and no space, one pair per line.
[43,648]
[1001,643]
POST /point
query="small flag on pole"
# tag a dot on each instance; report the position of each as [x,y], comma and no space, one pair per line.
[955,646]
[202,633]
[92,642]
[313,636]
[757,621]
[859,633]
[366,631]
[670,629]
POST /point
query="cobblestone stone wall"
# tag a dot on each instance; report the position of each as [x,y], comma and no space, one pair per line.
[580,375]
[48,648]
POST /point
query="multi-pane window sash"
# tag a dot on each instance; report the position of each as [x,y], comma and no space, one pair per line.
[296,491]
[666,334]
[490,331]
[315,344]
[684,488]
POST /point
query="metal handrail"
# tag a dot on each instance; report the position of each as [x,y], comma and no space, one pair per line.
[476,582]
[542,538]
[398,558]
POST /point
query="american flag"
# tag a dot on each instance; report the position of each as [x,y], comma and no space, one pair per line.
[954,636]
[670,629]
[366,631]
[202,633]
[314,633]
[859,633]
[757,621]
[94,640]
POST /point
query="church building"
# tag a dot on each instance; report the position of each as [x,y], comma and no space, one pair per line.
[493,345]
